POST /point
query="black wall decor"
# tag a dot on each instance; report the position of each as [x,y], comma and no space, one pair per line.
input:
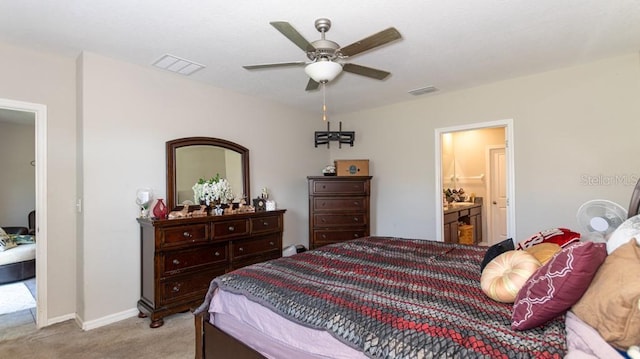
[325,137]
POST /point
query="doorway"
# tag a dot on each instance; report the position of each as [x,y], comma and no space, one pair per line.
[469,157]
[38,111]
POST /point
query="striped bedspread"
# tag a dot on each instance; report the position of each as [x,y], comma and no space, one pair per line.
[395,298]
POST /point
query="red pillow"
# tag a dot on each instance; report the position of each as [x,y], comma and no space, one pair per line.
[557,285]
[559,236]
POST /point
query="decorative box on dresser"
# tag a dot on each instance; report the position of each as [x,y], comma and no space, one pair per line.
[180,257]
[338,208]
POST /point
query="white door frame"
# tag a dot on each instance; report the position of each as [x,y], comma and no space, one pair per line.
[509,145]
[40,112]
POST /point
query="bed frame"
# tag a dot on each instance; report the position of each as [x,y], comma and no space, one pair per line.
[14,272]
[223,345]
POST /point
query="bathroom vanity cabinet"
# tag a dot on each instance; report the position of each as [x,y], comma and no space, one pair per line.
[470,214]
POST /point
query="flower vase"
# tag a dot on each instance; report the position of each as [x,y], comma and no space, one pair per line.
[160,209]
[218,210]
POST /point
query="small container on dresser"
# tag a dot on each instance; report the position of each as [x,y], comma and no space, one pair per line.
[180,257]
[338,209]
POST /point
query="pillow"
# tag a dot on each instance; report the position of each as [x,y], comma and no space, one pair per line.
[627,230]
[2,232]
[611,305]
[6,243]
[544,251]
[559,236]
[557,285]
[496,250]
[503,277]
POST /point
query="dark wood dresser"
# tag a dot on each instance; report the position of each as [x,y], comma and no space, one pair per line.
[180,257]
[338,208]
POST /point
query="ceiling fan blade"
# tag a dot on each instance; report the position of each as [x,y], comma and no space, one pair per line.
[292,34]
[365,71]
[312,85]
[275,64]
[370,42]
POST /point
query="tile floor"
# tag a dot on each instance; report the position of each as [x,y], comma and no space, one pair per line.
[20,320]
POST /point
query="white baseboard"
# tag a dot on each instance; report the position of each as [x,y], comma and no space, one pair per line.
[109,319]
[59,319]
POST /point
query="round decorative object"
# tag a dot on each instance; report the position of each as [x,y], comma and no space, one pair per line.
[503,277]
[544,251]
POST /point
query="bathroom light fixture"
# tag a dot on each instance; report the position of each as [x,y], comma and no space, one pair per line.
[323,70]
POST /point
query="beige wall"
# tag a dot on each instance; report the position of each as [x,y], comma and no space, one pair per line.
[572,126]
[128,113]
[18,183]
[43,78]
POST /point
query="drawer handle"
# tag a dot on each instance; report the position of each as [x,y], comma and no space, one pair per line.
[186,235]
[175,289]
[324,236]
[232,228]
[265,223]
[271,244]
[240,249]
[356,203]
[356,235]
[356,219]
[217,254]
[176,262]
[324,220]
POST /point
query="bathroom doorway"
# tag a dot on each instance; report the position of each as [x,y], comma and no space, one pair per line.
[477,158]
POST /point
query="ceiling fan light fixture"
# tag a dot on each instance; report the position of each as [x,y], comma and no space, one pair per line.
[323,71]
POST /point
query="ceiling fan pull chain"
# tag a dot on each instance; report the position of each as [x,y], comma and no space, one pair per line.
[324,103]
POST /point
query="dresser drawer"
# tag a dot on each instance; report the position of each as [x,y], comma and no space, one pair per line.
[245,261]
[230,229]
[265,224]
[178,235]
[333,187]
[178,288]
[177,261]
[475,211]
[336,204]
[322,236]
[332,220]
[253,246]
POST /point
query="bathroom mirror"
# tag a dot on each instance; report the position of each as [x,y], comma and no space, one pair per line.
[192,158]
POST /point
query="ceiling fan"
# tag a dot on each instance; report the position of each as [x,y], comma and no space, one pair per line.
[327,58]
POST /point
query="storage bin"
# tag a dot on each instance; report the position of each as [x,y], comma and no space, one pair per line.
[466,234]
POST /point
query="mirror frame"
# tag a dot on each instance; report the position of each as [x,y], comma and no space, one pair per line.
[173,145]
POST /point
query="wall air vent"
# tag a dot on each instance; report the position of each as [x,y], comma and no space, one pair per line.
[178,65]
[423,90]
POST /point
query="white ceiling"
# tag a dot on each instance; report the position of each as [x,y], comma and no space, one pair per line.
[449,44]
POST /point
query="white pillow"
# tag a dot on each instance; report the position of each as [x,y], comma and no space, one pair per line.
[2,232]
[627,230]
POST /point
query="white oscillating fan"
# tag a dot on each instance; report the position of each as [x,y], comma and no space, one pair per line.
[598,218]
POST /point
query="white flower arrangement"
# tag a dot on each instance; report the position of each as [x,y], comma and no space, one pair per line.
[213,191]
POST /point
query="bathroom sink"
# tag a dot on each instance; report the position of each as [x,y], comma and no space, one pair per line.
[460,204]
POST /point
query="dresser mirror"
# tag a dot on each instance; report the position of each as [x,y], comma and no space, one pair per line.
[192,158]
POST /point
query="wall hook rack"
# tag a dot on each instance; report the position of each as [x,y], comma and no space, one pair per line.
[325,137]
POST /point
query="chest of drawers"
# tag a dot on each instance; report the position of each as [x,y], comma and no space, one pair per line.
[338,209]
[180,257]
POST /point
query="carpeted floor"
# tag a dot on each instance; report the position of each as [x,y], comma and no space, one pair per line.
[129,338]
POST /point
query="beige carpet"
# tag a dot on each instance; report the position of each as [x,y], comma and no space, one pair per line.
[130,338]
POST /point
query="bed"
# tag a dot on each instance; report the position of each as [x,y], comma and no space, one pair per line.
[377,297]
[19,262]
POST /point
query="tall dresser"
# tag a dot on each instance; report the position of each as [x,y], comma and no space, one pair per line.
[180,257]
[338,208]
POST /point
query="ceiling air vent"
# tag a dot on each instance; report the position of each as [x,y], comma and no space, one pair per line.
[178,65]
[423,90]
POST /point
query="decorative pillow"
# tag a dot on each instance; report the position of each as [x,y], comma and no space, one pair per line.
[496,250]
[544,251]
[627,230]
[557,285]
[503,277]
[6,243]
[611,305]
[559,236]
[2,232]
